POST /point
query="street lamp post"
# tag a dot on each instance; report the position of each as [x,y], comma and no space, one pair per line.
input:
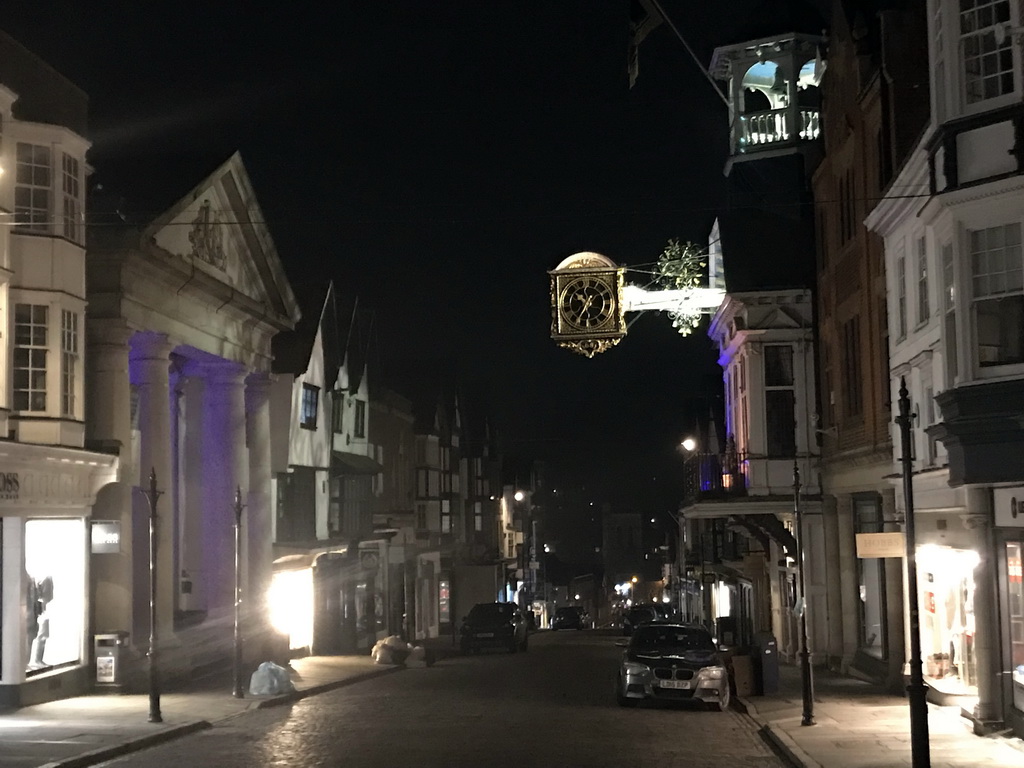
[806,674]
[920,749]
[239,692]
[152,494]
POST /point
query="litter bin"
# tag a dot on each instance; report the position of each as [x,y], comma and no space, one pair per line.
[109,651]
[765,653]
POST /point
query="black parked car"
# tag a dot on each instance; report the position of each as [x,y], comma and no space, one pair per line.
[570,617]
[494,625]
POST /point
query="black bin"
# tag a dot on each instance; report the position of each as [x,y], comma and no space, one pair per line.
[765,655]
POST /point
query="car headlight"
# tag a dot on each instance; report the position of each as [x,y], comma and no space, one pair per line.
[713,673]
[632,668]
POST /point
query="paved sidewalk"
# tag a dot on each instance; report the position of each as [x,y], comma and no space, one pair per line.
[90,729]
[860,726]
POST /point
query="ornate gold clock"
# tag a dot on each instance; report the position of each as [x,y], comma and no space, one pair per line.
[586,304]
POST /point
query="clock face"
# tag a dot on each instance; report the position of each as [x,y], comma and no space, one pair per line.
[587,303]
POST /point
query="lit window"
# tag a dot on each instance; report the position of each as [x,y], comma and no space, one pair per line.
[68,361]
[32,187]
[997,283]
[987,55]
[72,199]
[310,403]
[30,326]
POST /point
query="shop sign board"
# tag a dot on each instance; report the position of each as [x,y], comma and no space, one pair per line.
[1009,506]
[106,537]
[891,544]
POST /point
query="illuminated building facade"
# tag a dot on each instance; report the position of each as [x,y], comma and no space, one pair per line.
[952,223]
[182,309]
[48,482]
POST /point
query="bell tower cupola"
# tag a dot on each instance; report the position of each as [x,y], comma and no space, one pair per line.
[774,99]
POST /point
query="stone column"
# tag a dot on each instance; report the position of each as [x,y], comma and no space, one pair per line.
[108,426]
[192,417]
[150,369]
[225,468]
[258,524]
[833,598]
[848,581]
[895,627]
[978,520]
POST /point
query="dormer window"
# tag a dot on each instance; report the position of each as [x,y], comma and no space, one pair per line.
[310,405]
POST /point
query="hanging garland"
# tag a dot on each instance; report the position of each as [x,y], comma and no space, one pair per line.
[681,266]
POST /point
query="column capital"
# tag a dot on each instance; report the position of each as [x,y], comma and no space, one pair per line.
[150,345]
[224,373]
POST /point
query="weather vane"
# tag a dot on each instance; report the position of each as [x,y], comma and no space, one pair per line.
[590,296]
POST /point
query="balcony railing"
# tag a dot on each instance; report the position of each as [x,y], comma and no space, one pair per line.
[711,475]
[759,130]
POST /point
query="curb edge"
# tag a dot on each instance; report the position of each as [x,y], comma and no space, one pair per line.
[298,695]
[127,747]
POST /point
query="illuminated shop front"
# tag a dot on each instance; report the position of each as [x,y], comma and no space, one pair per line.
[946,584]
[45,504]
[1015,601]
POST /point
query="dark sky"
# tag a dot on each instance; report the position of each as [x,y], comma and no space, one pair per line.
[436,158]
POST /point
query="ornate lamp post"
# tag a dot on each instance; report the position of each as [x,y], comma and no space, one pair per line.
[920,749]
[152,494]
[806,674]
[239,692]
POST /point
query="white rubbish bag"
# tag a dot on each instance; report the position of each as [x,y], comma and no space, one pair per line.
[270,679]
[390,650]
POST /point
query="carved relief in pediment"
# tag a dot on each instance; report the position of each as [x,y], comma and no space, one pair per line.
[207,236]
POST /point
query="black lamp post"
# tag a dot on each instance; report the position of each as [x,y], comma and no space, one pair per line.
[806,674]
[920,749]
[152,494]
[239,692]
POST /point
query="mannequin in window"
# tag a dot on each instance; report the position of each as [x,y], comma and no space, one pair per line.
[38,609]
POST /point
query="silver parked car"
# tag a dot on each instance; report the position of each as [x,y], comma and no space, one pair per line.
[672,662]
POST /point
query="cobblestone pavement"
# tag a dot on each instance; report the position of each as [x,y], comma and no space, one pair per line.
[552,706]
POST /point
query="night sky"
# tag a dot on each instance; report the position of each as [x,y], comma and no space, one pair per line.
[436,158]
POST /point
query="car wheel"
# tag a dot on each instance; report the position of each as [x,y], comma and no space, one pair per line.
[625,701]
[723,704]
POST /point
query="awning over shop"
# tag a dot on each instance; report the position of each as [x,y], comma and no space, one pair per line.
[354,464]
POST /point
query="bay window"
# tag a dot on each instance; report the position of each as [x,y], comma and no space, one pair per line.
[32,187]
[987,49]
[997,283]
[68,362]
[30,347]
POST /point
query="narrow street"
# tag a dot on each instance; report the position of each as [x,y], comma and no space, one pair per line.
[553,705]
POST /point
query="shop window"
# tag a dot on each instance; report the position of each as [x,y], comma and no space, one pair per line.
[871,575]
[1015,596]
[946,586]
[55,587]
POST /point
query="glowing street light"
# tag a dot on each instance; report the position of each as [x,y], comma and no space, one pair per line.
[689,445]
[519,496]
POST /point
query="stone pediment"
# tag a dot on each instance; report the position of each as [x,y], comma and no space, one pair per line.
[218,228]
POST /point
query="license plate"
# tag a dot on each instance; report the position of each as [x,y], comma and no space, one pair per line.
[485,634]
[683,684]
